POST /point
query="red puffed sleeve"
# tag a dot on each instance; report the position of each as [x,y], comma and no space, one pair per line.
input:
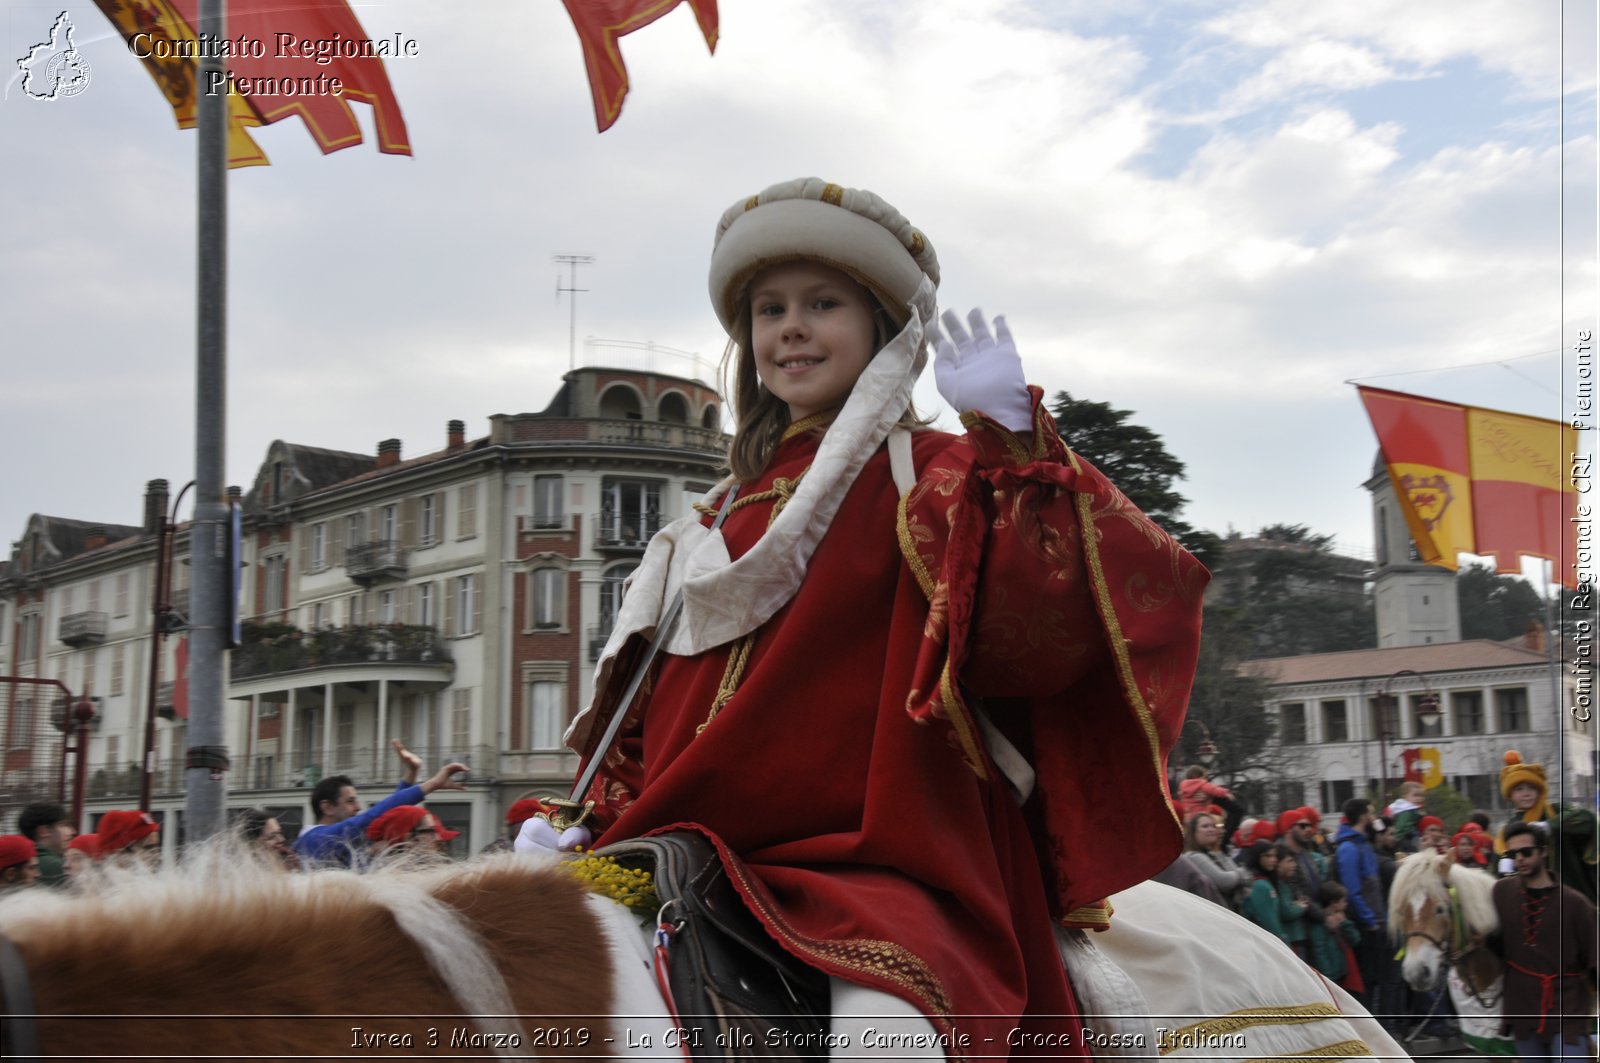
[1073,620]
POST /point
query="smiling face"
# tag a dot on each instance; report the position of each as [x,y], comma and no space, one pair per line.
[1524,795]
[811,331]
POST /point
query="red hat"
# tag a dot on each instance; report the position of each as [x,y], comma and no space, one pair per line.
[1467,834]
[1429,821]
[1471,826]
[398,824]
[120,828]
[1262,831]
[15,849]
[527,808]
[1312,813]
[88,844]
[1287,820]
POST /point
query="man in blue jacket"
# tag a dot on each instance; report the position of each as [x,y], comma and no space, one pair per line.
[341,821]
[1357,868]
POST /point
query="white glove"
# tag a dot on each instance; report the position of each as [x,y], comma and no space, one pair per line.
[982,372]
[537,835]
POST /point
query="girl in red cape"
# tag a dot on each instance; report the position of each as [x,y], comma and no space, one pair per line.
[923,686]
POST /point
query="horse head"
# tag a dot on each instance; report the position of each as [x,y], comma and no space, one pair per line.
[1439,911]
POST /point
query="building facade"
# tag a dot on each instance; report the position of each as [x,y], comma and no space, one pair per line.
[455,601]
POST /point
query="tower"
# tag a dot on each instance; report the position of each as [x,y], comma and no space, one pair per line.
[1415,602]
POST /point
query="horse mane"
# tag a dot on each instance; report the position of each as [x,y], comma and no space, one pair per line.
[252,938]
[1424,875]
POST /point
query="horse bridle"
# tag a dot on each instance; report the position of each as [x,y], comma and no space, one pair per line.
[1452,954]
[19,1033]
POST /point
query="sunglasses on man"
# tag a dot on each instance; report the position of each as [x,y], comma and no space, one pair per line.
[1526,850]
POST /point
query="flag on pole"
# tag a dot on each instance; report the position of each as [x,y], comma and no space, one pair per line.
[1472,480]
[600,22]
[306,58]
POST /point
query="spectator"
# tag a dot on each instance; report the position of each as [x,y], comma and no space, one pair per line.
[50,828]
[410,830]
[1467,851]
[1298,828]
[1261,904]
[1202,838]
[1572,829]
[19,863]
[516,815]
[1294,904]
[341,822]
[1333,939]
[82,852]
[1431,836]
[1197,793]
[1182,874]
[129,835]
[260,830]
[1547,939]
[1356,864]
[1404,812]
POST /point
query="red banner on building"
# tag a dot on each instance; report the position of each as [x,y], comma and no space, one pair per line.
[600,22]
[1472,480]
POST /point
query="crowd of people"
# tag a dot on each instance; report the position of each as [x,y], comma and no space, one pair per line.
[343,832]
[1325,893]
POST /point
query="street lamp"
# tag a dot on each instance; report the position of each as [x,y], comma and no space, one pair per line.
[1428,714]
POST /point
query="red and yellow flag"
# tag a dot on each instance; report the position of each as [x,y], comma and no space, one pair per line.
[305,57]
[600,22]
[1472,480]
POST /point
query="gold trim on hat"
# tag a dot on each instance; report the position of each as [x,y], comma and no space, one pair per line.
[833,194]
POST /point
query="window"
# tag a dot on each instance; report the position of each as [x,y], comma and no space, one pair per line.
[461,725]
[20,734]
[355,530]
[389,522]
[692,493]
[1335,792]
[29,649]
[123,586]
[344,735]
[547,715]
[1481,791]
[94,596]
[546,598]
[1418,703]
[275,593]
[321,616]
[466,511]
[611,596]
[357,612]
[427,605]
[1335,722]
[1467,707]
[89,670]
[548,502]
[544,699]
[1290,795]
[630,512]
[114,753]
[388,607]
[319,546]
[117,668]
[466,606]
[1292,723]
[1383,717]
[428,520]
[1511,708]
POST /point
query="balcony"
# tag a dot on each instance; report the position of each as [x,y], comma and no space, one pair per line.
[627,531]
[276,650]
[83,629]
[377,562]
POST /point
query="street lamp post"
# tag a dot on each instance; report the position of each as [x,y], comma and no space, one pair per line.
[1428,714]
[162,622]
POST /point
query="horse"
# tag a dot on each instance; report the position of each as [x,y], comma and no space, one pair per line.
[1442,912]
[224,955]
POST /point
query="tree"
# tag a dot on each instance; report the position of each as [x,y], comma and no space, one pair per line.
[1295,594]
[1136,460]
[1494,606]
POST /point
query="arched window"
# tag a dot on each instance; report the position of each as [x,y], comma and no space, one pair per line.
[621,403]
[673,409]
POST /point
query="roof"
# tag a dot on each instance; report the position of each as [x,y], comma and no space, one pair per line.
[1380,663]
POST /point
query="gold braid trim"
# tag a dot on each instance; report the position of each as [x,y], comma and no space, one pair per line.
[781,491]
[1019,453]
[1244,1019]
[882,959]
[971,747]
[1337,1050]
[908,549]
[1097,914]
[1119,644]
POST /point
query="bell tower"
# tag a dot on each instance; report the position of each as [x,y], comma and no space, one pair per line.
[1415,602]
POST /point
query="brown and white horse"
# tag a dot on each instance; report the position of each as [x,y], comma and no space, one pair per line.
[1442,913]
[227,956]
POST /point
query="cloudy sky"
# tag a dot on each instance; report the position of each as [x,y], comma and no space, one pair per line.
[1212,213]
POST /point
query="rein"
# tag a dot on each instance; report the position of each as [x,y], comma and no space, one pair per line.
[19,1034]
[1452,952]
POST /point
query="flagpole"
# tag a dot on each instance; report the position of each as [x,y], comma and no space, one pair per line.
[206,756]
[1552,640]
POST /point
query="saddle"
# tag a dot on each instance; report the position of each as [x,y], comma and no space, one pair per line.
[735,992]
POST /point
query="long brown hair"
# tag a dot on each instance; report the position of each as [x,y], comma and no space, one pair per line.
[760,417]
